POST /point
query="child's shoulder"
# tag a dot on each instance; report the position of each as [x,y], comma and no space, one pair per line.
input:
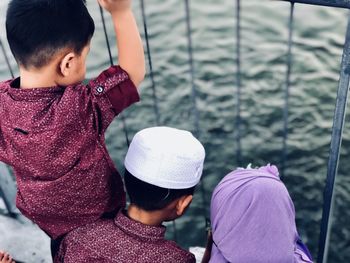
[110,76]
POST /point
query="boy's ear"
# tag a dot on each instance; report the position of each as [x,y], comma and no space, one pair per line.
[183,203]
[66,64]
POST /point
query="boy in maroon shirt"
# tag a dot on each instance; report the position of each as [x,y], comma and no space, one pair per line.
[52,126]
[163,167]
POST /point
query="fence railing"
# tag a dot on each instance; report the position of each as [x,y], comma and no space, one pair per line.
[338,119]
[338,122]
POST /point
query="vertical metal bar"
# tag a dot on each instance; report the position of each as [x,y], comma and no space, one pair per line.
[194,95]
[190,54]
[6,59]
[153,85]
[111,62]
[106,36]
[337,132]
[8,190]
[7,185]
[239,84]
[151,73]
[287,87]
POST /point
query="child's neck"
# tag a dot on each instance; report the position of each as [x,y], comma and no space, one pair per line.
[151,218]
[37,78]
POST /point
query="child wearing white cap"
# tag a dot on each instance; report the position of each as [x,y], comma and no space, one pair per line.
[163,166]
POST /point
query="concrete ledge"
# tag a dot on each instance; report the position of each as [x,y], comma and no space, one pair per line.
[23,240]
[198,252]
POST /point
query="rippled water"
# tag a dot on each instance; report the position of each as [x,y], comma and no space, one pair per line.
[318,38]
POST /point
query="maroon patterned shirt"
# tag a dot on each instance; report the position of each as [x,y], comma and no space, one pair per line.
[121,240]
[54,139]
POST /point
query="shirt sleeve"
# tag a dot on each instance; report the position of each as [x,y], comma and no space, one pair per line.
[103,98]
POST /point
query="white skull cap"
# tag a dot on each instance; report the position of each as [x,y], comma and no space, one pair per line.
[166,157]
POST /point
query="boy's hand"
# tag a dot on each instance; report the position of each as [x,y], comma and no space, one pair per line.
[115,6]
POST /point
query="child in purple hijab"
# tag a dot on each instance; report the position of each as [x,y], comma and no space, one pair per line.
[253,219]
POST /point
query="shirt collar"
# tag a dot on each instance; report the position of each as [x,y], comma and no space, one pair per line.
[139,230]
[28,94]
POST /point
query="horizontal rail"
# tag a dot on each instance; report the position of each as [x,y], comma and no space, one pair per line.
[333,3]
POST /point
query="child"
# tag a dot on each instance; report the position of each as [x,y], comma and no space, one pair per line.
[253,220]
[163,166]
[52,126]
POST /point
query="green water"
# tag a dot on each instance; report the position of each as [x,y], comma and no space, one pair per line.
[318,42]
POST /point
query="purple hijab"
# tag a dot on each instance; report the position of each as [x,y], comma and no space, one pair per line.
[253,219]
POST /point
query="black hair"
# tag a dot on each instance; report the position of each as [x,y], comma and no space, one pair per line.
[38,29]
[150,197]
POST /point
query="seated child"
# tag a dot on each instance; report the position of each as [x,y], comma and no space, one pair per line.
[5,258]
[163,166]
[52,126]
[253,220]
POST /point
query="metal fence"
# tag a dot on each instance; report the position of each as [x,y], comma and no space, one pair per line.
[338,119]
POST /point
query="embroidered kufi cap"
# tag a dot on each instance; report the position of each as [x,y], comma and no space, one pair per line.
[166,157]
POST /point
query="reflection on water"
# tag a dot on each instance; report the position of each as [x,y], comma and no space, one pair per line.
[317,49]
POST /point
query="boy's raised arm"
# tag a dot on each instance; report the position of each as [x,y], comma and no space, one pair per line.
[129,43]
